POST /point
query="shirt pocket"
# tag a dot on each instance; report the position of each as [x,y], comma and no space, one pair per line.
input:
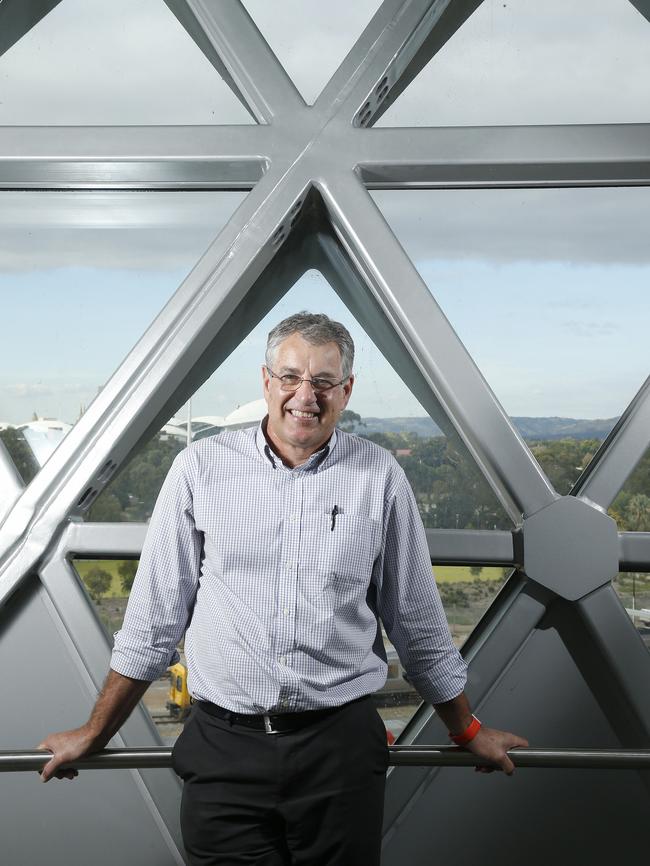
[343,550]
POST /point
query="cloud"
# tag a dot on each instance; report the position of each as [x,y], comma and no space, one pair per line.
[590,329]
[121,230]
[573,226]
[28,389]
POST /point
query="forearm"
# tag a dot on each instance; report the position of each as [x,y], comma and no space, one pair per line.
[117,700]
[456,713]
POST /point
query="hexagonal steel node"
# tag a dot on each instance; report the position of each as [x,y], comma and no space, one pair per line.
[571,547]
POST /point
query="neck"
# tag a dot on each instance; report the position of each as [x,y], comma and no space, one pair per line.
[292,456]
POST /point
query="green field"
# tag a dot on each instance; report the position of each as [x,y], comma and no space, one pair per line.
[443,573]
[83,566]
[462,574]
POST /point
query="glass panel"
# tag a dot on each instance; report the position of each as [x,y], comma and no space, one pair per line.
[310,38]
[631,508]
[450,490]
[633,589]
[523,62]
[94,63]
[108,582]
[548,291]
[81,277]
[466,593]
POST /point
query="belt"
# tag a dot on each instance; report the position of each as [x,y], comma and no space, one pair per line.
[270,723]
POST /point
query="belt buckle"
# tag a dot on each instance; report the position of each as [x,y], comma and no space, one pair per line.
[268,725]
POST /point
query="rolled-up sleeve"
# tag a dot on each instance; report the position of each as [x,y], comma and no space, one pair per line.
[165,585]
[410,607]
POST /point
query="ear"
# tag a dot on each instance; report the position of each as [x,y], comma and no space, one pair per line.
[347,391]
[266,382]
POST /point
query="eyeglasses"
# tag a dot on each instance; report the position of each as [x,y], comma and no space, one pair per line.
[290,382]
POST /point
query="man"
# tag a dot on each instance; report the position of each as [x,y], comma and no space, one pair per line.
[277,549]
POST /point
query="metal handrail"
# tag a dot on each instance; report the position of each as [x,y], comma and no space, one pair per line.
[399,756]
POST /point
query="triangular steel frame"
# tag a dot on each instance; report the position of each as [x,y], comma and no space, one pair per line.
[307,170]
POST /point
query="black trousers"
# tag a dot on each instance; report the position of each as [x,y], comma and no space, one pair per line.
[312,797]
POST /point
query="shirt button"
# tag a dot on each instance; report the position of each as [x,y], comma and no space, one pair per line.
[284,703]
[283,660]
[286,611]
[293,518]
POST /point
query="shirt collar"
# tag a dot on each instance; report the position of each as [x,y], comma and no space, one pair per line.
[314,463]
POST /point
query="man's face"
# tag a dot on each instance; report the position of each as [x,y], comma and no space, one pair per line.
[301,421]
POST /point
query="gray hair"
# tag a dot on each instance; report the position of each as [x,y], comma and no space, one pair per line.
[315,328]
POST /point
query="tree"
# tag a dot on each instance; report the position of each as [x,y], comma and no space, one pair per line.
[637,513]
[127,570]
[106,509]
[20,452]
[98,582]
[349,421]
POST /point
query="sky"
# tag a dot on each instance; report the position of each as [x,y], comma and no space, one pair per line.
[548,289]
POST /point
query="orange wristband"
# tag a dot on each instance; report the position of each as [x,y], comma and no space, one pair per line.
[468,734]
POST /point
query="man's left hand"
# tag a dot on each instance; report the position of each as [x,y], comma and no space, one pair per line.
[493,745]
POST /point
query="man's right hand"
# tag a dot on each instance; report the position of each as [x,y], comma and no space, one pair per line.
[66,748]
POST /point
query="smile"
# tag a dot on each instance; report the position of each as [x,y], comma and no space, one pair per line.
[298,414]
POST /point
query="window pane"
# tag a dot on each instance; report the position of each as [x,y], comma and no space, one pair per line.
[631,508]
[108,583]
[524,62]
[311,38]
[449,488]
[547,289]
[129,63]
[466,594]
[82,275]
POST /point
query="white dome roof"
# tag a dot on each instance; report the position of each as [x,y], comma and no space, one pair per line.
[246,415]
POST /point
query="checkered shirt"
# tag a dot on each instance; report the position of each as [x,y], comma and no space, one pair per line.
[280,599]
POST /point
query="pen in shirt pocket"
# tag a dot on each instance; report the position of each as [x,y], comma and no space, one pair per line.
[335,512]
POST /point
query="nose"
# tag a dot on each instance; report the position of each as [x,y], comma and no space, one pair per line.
[306,391]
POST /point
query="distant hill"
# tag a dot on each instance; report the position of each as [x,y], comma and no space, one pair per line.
[529,428]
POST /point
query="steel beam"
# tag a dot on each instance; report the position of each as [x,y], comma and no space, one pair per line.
[103,540]
[17,17]
[616,458]
[471,547]
[228,37]
[153,379]
[504,156]
[401,38]
[135,157]
[634,551]
[624,658]
[482,424]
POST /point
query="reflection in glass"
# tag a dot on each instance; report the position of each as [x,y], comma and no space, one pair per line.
[535,63]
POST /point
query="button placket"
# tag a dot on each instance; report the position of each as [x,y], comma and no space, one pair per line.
[286,601]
